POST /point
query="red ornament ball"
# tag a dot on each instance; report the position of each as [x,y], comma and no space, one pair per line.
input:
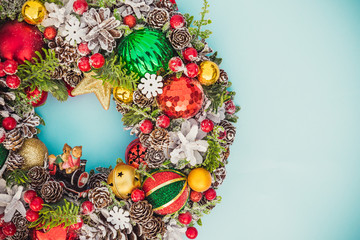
[195,196]
[146,126]
[87,207]
[190,54]
[191,233]
[36,204]
[36,97]
[181,98]
[137,195]
[230,107]
[192,70]
[50,33]
[9,123]
[29,195]
[2,135]
[19,41]
[135,154]
[97,60]
[222,134]
[210,194]
[13,81]
[55,233]
[2,235]
[185,218]
[163,121]
[176,64]
[84,64]
[77,225]
[83,49]
[130,20]
[9,229]
[80,6]
[10,67]
[207,125]
[177,21]
[2,72]
[31,215]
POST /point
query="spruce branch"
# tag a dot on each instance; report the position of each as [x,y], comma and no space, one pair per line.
[17,177]
[213,156]
[197,31]
[136,114]
[218,95]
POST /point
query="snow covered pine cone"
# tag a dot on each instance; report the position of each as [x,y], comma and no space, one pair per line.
[14,139]
[15,161]
[141,212]
[154,227]
[52,192]
[230,132]
[157,18]
[96,179]
[66,53]
[159,139]
[38,176]
[180,38]
[73,78]
[141,100]
[154,158]
[100,197]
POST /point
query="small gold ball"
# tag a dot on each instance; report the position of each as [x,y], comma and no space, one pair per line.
[34,153]
[123,95]
[209,73]
[33,12]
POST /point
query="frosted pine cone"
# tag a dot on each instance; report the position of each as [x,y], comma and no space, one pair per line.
[20,222]
[141,100]
[52,192]
[14,139]
[100,197]
[154,158]
[137,233]
[180,38]
[230,132]
[15,161]
[58,73]
[153,227]
[120,108]
[159,139]
[141,212]
[20,235]
[167,4]
[38,176]
[220,174]
[144,139]
[96,179]
[73,77]
[223,79]
[225,155]
[29,123]
[157,18]
[138,7]
[66,53]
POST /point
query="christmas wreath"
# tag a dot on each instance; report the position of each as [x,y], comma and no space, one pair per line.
[166,82]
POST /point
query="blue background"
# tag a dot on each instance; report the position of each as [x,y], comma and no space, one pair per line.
[294,167]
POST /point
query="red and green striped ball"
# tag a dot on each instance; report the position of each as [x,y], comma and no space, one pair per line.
[168,192]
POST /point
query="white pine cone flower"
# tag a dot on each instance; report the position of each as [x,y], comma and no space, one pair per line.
[57,16]
[151,85]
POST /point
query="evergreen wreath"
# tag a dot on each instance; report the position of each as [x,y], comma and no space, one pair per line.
[166,82]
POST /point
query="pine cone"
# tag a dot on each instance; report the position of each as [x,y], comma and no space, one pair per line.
[144,139]
[154,158]
[223,79]
[167,4]
[20,235]
[141,100]
[66,53]
[100,197]
[20,222]
[120,108]
[14,139]
[52,192]
[180,38]
[225,155]
[230,132]
[15,161]
[96,179]
[38,176]
[73,78]
[28,124]
[141,212]
[220,174]
[137,233]
[153,227]
[58,73]
[204,201]
[157,18]
[159,139]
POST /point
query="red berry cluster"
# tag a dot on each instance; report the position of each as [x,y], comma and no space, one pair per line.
[191,69]
[147,126]
[35,203]
[137,195]
[96,61]
[9,69]
[7,229]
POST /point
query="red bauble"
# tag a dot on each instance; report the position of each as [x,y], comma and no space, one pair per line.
[10,67]
[84,64]
[137,195]
[2,235]
[9,229]
[2,73]
[146,126]
[36,97]
[19,41]
[80,6]
[195,196]
[230,107]
[185,218]
[29,195]
[177,21]
[210,194]
[50,33]
[77,225]
[55,233]
[97,60]
[192,70]
[13,81]
[176,64]
[87,207]
[31,215]
[207,125]
[222,134]
[190,54]
[83,49]
[9,123]
[163,121]
[181,98]
[191,233]
[130,20]
[2,135]
[36,204]
[135,153]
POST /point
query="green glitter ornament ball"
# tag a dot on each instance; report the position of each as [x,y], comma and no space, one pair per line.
[146,51]
[3,155]
[168,192]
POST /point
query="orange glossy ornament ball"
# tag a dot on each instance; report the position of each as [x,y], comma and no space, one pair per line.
[209,73]
[33,12]
[199,179]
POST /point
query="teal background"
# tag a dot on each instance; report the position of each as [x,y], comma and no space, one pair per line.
[294,167]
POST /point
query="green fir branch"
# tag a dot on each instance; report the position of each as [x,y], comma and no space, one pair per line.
[200,210]
[218,95]
[135,114]
[17,177]
[104,3]
[141,170]
[197,31]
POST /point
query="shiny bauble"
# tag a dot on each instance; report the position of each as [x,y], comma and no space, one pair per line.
[209,73]
[36,97]
[135,153]
[123,95]
[167,191]
[181,98]
[3,155]
[33,12]
[34,153]
[199,179]
[123,180]
[55,233]
[19,41]
[146,51]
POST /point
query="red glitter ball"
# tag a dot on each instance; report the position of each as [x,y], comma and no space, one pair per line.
[181,98]
[135,153]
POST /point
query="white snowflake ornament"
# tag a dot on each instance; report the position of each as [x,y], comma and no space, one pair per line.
[73,31]
[119,218]
[151,85]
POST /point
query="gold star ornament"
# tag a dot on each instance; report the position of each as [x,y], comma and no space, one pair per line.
[90,84]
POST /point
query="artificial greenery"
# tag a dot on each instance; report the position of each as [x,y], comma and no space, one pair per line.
[217,94]
[10,8]
[115,73]
[135,114]
[66,215]
[200,210]
[233,117]
[105,3]
[196,30]
[17,177]
[213,155]
[141,170]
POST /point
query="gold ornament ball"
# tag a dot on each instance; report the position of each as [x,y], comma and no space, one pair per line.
[123,180]
[209,73]
[34,153]
[33,12]
[123,95]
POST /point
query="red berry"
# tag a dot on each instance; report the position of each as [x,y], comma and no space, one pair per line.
[207,125]
[2,135]
[2,66]
[222,134]
[13,81]
[177,21]
[80,6]
[185,218]
[29,195]
[9,229]
[210,194]
[36,97]
[146,126]
[176,64]
[195,196]
[192,70]
[9,123]
[190,54]
[36,204]
[2,222]
[87,207]
[130,20]
[230,107]
[2,235]
[31,215]
[50,33]
[77,225]
[69,89]
[83,49]
[191,233]
[137,195]
[84,64]
[97,60]
[163,121]
[10,67]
